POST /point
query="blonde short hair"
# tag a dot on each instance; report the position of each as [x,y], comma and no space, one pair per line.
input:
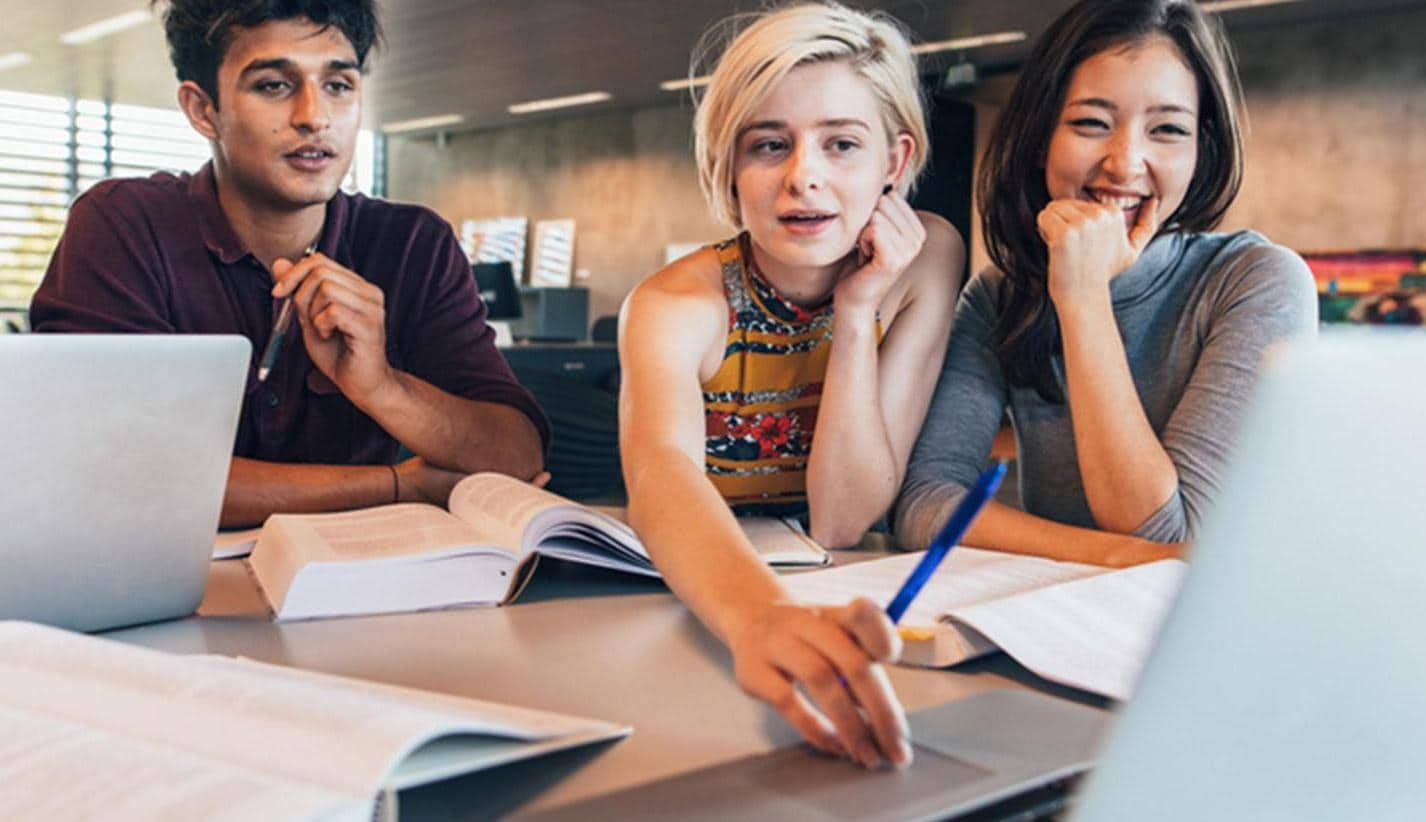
[775,43]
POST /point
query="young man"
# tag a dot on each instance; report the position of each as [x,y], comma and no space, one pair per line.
[390,346]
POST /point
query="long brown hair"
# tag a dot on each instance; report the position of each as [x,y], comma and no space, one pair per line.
[1011,187]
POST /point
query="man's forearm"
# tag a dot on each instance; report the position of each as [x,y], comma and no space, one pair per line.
[257,489]
[456,433]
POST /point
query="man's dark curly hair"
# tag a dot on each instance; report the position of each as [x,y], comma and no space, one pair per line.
[200,31]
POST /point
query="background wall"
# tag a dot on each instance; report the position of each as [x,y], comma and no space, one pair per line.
[1337,148]
[1336,157]
[627,179]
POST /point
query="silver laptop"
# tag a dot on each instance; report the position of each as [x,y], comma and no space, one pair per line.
[114,459]
[1289,682]
[1000,754]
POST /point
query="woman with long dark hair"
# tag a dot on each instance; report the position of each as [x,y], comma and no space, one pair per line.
[1121,334]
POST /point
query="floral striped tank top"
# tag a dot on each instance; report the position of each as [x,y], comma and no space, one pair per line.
[760,408]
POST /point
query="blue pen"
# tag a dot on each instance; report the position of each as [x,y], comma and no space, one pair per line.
[951,533]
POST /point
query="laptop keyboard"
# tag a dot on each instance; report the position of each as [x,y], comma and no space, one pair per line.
[1047,802]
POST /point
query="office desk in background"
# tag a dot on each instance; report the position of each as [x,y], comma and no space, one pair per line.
[552,314]
[591,363]
[578,386]
[580,641]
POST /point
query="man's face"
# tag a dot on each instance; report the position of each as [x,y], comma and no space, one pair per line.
[289,108]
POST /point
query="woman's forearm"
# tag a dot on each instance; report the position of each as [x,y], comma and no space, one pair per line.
[697,545]
[1003,528]
[1126,473]
[852,474]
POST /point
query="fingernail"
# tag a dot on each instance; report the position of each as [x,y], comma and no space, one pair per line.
[903,754]
[886,189]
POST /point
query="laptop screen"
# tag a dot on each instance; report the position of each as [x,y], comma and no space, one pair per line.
[496,282]
[1288,681]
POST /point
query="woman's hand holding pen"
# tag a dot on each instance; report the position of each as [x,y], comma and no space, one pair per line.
[343,320]
[886,246]
[819,668]
[1089,246]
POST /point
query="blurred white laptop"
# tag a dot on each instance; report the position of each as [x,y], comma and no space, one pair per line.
[115,455]
[1289,682]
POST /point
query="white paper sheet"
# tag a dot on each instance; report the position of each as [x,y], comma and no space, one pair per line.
[1082,625]
[1093,633]
[965,577]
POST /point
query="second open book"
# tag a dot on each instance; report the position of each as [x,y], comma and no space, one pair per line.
[482,551]
[99,729]
[1081,625]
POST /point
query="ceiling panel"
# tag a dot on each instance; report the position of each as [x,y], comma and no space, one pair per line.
[476,58]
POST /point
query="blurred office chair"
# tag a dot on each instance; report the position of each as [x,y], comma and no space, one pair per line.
[584,448]
[605,329]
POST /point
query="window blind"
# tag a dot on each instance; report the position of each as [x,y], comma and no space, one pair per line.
[54,148]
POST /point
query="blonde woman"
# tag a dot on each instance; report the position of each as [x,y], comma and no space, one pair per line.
[823,313]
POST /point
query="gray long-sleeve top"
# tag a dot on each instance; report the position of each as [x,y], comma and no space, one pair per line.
[1195,313]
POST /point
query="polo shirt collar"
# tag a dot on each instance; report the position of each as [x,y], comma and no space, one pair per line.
[223,242]
[218,235]
[333,241]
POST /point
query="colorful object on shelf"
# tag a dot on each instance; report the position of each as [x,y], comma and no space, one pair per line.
[1372,286]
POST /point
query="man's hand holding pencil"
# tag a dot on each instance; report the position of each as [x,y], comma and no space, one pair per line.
[343,322]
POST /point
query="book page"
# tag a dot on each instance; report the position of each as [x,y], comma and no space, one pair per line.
[618,513]
[375,560]
[1093,633]
[52,769]
[235,544]
[777,541]
[334,735]
[373,533]
[499,507]
[782,541]
[967,576]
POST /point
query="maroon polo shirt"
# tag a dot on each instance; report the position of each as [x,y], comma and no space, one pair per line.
[157,255]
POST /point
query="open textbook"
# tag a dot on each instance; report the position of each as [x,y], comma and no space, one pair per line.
[93,728]
[1081,625]
[482,551]
[235,544]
